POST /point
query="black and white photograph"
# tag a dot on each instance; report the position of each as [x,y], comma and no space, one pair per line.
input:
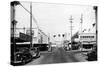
[51,33]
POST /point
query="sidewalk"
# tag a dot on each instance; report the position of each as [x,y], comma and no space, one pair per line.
[36,61]
[74,51]
[78,50]
[80,57]
[45,51]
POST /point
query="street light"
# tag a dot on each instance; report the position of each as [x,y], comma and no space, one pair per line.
[15,3]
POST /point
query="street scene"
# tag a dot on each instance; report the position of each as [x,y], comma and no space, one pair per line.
[59,55]
[48,33]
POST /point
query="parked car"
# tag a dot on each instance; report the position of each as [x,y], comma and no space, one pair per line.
[75,45]
[92,56]
[35,52]
[53,45]
[25,55]
[66,47]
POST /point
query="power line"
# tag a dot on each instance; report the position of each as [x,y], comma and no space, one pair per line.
[32,16]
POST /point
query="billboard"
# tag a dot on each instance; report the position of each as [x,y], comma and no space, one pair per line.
[25,37]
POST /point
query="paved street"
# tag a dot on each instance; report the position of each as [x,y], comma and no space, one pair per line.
[71,31]
[58,55]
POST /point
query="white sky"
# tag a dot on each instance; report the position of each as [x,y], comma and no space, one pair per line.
[54,18]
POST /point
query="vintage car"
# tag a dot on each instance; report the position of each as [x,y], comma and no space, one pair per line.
[92,56]
[25,55]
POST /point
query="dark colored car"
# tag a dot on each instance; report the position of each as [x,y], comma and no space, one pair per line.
[92,56]
[75,45]
[25,55]
[35,52]
[66,47]
[41,47]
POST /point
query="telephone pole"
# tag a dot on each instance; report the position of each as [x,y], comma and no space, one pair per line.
[31,25]
[13,29]
[71,27]
[81,21]
[95,8]
[81,28]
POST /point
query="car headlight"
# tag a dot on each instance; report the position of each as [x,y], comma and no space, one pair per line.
[18,55]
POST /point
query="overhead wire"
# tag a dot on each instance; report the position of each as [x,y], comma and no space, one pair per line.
[32,16]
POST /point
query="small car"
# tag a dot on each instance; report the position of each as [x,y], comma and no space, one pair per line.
[22,57]
[92,56]
[25,55]
[35,52]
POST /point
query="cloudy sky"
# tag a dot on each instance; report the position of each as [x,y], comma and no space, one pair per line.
[54,18]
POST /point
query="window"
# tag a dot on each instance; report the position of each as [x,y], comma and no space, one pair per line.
[92,36]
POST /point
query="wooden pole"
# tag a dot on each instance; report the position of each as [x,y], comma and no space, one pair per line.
[71,28]
[31,25]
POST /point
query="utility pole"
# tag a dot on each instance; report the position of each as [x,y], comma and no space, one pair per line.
[49,37]
[31,45]
[81,28]
[95,8]
[13,29]
[71,28]
[49,44]
[81,21]
[65,36]
[24,29]
[96,18]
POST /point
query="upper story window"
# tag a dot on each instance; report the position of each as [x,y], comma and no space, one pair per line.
[86,36]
